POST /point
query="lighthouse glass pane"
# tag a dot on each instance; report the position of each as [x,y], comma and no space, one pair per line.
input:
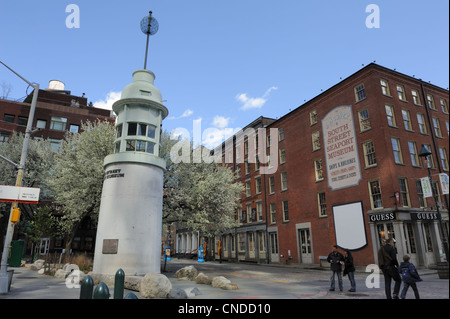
[151,131]
[150,147]
[141,129]
[132,127]
[131,146]
[140,146]
[119,131]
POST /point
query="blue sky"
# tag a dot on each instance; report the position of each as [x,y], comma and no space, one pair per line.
[224,62]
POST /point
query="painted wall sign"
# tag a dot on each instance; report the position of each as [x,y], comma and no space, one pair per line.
[341,149]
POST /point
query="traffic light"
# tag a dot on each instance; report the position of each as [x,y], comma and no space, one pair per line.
[15,215]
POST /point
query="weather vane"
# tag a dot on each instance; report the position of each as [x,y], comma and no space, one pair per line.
[149,26]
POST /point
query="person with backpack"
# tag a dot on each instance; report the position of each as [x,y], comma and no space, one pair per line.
[388,263]
[409,277]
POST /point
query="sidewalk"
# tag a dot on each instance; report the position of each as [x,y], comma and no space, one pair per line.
[255,281]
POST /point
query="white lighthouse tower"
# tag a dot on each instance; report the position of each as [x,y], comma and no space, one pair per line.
[130,218]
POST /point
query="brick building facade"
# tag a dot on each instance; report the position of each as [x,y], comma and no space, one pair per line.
[57,111]
[348,173]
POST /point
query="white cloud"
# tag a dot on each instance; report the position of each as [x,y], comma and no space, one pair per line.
[186,113]
[107,103]
[221,121]
[254,102]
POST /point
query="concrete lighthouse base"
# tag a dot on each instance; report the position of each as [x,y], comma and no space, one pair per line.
[130,220]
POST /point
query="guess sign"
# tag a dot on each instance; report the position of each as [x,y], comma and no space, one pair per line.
[381,217]
[424,216]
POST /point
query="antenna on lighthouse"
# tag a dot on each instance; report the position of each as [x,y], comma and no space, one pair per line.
[149,26]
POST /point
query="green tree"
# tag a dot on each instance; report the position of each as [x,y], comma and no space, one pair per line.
[76,180]
[200,196]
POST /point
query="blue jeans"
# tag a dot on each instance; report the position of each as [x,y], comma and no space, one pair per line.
[339,275]
[351,277]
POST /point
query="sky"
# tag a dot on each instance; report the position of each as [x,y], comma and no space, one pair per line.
[219,64]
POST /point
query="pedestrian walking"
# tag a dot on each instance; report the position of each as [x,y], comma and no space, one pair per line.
[409,277]
[336,259]
[388,263]
[349,269]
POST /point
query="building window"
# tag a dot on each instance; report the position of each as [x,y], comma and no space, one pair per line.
[22,120]
[444,106]
[41,124]
[416,97]
[246,166]
[406,120]
[4,137]
[280,134]
[282,155]
[238,171]
[422,125]
[273,212]
[369,154]
[360,93]
[390,115]
[8,118]
[258,185]
[413,154]
[117,147]
[437,127]
[283,181]
[259,212]
[430,101]
[401,92]
[322,204]
[385,87]
[443,156]
[248,214]
[246,147]
[58,123]
[422,199]
[375,194]
[257,162]
[397,150]
[404,196]
[284,207]
[271,184]
[315,140]
[364,120]
[248,191]
[318,169]
[55,144]
[313,117]
[74,128]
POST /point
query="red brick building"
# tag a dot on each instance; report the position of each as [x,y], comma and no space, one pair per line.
[57,111]
[348,173]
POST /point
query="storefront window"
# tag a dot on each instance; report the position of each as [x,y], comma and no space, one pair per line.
[427,237]
[409,240]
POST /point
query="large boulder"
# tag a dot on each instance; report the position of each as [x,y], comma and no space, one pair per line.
[155,286]
[38,264]
[202,279]
[177,293]
[189,272]
[223,283]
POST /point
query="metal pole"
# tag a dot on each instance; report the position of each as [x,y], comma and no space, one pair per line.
[21,167]
[444,238]
[148,36]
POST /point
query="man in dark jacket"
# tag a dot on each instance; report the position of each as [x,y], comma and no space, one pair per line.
[387,259]
[336,259]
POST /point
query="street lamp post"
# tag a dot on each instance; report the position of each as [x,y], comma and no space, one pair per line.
[424,152]
[10,226]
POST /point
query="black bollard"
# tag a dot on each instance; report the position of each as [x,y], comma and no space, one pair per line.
[119,282]
[87,286]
